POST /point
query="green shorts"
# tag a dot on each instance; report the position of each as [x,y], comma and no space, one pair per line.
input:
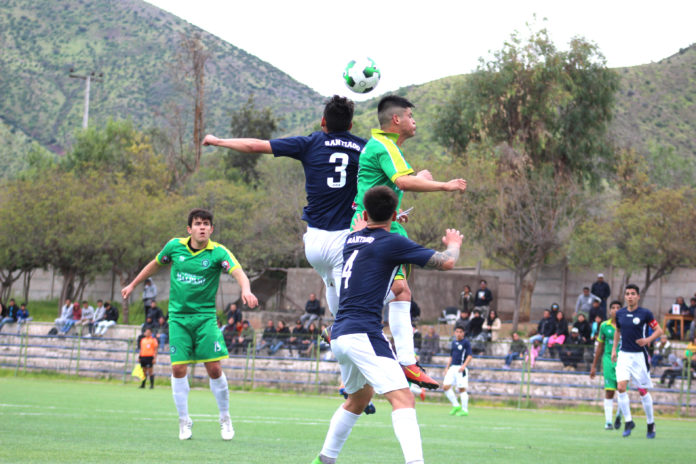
[195,338]
[396,228]
[609,373]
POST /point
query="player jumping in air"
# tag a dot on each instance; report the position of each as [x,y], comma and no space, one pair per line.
[196,264]
[456,373]
[632,361]
[605,344]
[372,257]
[382,163]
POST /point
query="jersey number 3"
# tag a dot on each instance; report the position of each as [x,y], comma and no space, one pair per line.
[341,161]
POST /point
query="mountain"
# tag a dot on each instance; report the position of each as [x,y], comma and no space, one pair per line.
[135,46]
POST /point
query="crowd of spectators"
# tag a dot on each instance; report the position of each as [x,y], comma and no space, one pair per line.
[13,314]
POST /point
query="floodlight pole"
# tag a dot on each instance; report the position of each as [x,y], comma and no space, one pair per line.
[88,78]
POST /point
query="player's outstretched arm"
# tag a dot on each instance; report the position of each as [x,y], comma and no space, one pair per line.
[241,145]
[248,298]
[150,268]
[424,183]
[445,260]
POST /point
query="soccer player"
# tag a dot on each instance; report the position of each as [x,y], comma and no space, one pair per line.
[372,257]
[382,163]
[330,161]
[605,343]
[456,373]
[196,264]
[632,361]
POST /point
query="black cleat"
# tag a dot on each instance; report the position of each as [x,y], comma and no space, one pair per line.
[630,425]
[617,422]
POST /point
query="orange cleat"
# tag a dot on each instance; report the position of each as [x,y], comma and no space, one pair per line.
[422,395]
[415,374]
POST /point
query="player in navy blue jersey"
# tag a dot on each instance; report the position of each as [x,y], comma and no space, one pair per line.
[632,362]
[372,257]
[330,161]
[456,373]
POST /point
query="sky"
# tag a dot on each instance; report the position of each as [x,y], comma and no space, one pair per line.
[414,42]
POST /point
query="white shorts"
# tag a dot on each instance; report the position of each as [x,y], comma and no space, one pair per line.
[455,378]
[633,367]
[368,359]
[324,251]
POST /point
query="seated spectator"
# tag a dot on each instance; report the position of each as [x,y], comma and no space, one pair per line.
[22,316]
[99,314]
[491,325]
[475,325]
[154,312]
[150,324]
[243,339]
[297,337]
[110,319]
[163,333]
[235,313]
[65,314]
[682,309]
[595,310]
[517,348]
[268,337]
[661,350]
[11,312]
[463,321]
[229,333]
[584,329]
[87,318]
[430,346]
[560,334]
[310,340]
[545,328]
[282,336]
[554,308]
[312,310]
[673,371]
[572,350]
[76,316]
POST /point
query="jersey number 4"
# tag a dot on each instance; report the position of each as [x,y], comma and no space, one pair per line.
[348,268]
[341,161]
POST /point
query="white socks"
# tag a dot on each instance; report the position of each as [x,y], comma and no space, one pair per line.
[625,406]
[465,400]
[341,424]
[407,432]
[648,407]
[222,394]
[180,391]
[402,332]
[608,410]
[449,393]
[415,389]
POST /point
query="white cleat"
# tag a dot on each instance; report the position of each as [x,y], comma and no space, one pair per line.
[226,430]
[185,429]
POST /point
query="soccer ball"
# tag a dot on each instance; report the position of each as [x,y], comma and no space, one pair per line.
[361,76]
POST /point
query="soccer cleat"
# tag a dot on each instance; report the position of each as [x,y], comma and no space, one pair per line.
[608,426]
[455,410]
[630,425]
[651,431]
[370,408]
[422,394]
[226,430]
[185,429]
[462,412]
[317,461]
[416,374]
[617,422]
[326,336]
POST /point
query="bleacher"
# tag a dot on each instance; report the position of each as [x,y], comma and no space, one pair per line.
[114,356]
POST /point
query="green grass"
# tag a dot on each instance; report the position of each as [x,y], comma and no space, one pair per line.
[46,419]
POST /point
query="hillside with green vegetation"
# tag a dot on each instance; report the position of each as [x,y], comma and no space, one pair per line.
[135,45]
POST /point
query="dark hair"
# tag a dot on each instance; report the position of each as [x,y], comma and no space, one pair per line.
[459,327]
[632,287]
[615,302]
[585,288]
[380,203]
[199,213]
[387,105]
[338,113]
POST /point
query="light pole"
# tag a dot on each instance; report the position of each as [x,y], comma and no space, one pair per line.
[88,78]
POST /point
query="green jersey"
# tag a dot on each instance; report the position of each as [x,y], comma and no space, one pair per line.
[606,336]
[195,277]
[381,163]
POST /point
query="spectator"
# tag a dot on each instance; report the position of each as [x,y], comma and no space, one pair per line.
[99,314]
[545,328]
[595,311]
[491,326]
[463,321]
[148,357]
[415,312]
[229,333]
[584,303]
[584,329]
[572,350]
[466,300]
[475,325]
[554,308]
[483,298]
[601,289]
[65,314]
[297,337]
[662,349]
[76,316]
[149,292]
[595,327]
[430,346]
[560,334]
[243,339]
[311,338]
[22,316]
[517,348]
[268,337]
[675,369]
[312,310]
[692,310]
[417,339]
[235,313]
[163,332]
[11,312]
[153,312]
[282,336]
[679,307]
[87,318]
[110,319]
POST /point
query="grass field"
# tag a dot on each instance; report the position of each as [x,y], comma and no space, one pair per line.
[47,420]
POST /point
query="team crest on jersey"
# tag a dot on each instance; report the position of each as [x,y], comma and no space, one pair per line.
[459,347]
[205,263]
[172,349]
[181,258]
[636,320]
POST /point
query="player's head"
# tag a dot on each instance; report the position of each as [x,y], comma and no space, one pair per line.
[613,307]
[547,313]
[380,204]
[394,112]
[338,114]
[581,317]
[515,336]
[632,295]
[201,214]
[459,333]
[200,226]
[148,332]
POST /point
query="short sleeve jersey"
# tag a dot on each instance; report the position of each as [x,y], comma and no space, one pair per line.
[330,163]
[381,163]
[195,277]
[459,351]
[371,258]
[148,346]
[606,336]
[634,325]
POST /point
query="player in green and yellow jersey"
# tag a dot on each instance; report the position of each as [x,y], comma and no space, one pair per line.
[382,163]
[196,264]
[605,342]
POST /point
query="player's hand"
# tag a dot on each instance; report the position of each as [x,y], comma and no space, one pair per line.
[642,341]
[425,174]
[593,372]
[126,291]
[359,223]
[250,299]
[452,237]
[210,140]
[613,357]
[401,218]
[455,185]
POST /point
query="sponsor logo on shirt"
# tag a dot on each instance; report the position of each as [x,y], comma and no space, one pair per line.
[192,279]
